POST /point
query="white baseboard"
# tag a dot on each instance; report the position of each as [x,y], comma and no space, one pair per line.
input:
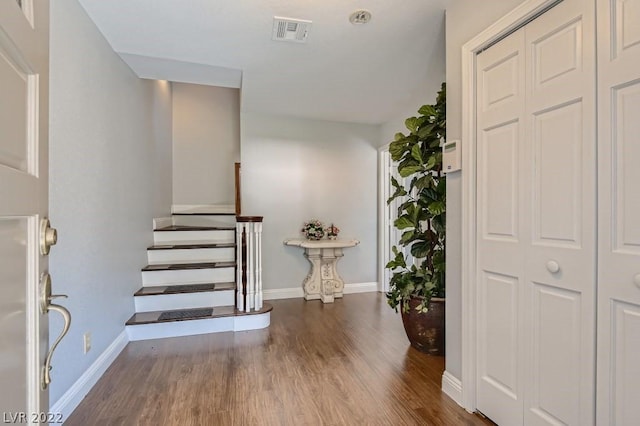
[76,393]
[282,293]
[360,288]
[452,387]
[203,208]
[201,326]
[162,222]
[297,292]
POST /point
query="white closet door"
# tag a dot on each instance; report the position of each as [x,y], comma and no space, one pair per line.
[501,236]
[619,212]
[561,195]
[536,221]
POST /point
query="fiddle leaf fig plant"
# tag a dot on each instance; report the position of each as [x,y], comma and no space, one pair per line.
[418,265]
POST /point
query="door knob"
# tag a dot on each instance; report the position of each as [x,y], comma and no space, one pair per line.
[48,236]
[553,266]
[45,307]
[636,280]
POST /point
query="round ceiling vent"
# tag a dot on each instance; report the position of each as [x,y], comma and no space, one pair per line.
[360,17]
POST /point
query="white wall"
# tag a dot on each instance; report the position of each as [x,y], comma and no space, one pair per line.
[465,19]
[206,143]
[109,152]
[162,155]
[296,169]
[423,94]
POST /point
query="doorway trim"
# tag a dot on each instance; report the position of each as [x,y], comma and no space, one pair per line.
[384,177]
[504,26]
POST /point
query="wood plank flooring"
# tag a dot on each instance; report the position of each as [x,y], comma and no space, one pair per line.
[346,363]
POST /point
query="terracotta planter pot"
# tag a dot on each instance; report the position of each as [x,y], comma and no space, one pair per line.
[425,331]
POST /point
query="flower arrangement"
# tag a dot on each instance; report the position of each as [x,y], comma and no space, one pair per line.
[313,229]
[332,232]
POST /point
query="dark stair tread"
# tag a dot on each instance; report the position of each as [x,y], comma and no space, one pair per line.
[217,312]
[195,228]
[183,266]
[191,246]
[184,289]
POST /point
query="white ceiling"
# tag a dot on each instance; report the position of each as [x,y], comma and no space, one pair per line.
[345,72]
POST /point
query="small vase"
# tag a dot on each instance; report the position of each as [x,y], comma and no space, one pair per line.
[333,237]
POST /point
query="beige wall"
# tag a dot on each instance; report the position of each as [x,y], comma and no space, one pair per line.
[465,20]
[206,143]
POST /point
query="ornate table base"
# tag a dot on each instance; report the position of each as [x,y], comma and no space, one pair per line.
[323,281]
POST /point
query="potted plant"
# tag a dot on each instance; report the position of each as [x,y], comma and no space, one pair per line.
[418,280]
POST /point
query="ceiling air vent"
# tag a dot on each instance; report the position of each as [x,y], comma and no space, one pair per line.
[287,29]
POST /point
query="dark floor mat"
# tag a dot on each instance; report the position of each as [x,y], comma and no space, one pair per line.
[189,288]
[185,314]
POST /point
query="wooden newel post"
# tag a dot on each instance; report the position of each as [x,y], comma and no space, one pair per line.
[249,267]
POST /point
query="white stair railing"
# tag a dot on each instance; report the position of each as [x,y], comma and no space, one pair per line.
[249,263]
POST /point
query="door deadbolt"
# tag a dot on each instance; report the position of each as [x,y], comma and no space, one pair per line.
[48,237]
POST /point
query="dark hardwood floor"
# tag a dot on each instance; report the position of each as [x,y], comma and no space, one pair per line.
[346,363]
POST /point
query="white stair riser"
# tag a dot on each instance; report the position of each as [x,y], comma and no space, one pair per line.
[194,327]
[196,220]
[188,237]
[222,254]
[203,208]
[188,276]
[168,302]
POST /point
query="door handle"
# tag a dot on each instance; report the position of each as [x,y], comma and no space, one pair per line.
[553,266]
[45,306]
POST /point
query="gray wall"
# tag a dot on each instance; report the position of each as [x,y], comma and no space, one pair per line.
[206,143]
[465,20]
[109,148]
[296,169]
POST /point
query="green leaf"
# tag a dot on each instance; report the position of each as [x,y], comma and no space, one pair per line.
[399,190]
[437,207]
[409,170]
[427,110]
[416,153]
[403,222]
[431,163]
[407,237]
[425,131]
[412,124]
[399,136]
[420,249]
[397,149]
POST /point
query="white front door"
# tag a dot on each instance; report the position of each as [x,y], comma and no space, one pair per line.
[24,105]
[619,212]
[536,191]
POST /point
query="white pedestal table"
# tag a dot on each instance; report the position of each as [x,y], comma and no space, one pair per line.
[323,281]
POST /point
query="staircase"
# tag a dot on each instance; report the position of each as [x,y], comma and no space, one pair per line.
[203,276]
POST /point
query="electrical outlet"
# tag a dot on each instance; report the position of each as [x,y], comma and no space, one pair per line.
[87,341]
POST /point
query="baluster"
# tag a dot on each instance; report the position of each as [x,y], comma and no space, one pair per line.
[258,303]
[239,276]
[250,263]
[250,268]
